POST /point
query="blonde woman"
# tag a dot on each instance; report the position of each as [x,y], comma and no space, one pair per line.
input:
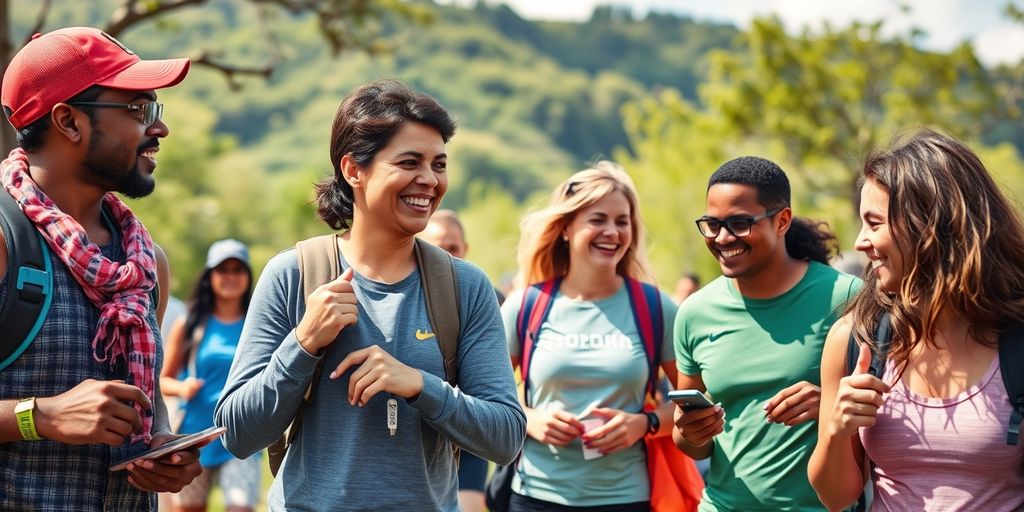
[588,366]
[945,247]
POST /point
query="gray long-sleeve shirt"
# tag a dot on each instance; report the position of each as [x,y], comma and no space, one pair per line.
[344,457]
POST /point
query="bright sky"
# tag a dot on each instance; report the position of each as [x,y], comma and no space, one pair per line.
[945,22]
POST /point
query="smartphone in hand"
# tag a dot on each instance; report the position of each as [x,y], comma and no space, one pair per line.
[198,439]
[690,399]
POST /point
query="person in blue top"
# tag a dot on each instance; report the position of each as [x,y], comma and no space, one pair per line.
[199,351]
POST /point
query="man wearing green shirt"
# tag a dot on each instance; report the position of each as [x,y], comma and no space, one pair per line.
[752,340]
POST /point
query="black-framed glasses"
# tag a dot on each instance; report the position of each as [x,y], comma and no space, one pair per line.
[151,111]
[738,225]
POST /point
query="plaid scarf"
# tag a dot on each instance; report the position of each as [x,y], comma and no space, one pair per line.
[119,290]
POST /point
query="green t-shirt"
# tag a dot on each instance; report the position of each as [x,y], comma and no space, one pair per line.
[746,351]
[589,354]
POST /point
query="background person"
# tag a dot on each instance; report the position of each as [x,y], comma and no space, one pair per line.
[944,245]
[591,239]
[199,351]
[445,231]
[390,174]
[685,286]
[752,339]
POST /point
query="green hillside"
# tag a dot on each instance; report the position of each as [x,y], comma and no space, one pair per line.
[534,100]
[669,97]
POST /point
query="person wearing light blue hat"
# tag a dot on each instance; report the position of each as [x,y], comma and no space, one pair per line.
[199,351]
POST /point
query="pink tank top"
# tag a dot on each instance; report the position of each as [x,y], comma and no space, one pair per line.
[945,453]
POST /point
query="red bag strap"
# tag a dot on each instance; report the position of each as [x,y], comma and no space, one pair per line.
[536,305]
[645,300]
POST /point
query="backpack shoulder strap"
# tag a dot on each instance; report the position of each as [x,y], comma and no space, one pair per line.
[537,300]
[319,263]
[1011,361]
[883,335]
[645,302]
[441,290]
[29,281]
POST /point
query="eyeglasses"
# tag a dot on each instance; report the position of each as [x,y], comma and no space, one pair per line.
[151,111]
[738,225]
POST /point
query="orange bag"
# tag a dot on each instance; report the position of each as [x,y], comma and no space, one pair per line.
[676,484]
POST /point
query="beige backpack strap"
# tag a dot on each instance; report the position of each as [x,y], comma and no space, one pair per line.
[319,263]
[440,287]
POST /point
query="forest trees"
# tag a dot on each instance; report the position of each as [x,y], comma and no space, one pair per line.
[342,24]
[817,103]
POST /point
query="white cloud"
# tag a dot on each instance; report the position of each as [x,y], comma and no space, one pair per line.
[1000,45]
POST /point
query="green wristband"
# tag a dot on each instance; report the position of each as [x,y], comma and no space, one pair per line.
[24,412]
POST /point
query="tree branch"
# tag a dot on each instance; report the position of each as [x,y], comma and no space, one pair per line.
[274,46]
[132,12]
[229,71]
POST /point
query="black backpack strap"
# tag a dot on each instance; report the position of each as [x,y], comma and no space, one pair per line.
[1011,361]
[883,335]
[883,338]
[441,290]
[29,288]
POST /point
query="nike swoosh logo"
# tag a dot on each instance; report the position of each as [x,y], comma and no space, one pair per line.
[714,336]
[420,335]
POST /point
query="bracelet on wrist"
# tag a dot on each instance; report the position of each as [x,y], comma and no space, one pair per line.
[653,422]
[24,412]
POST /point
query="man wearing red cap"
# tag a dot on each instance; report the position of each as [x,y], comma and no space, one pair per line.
[84,394]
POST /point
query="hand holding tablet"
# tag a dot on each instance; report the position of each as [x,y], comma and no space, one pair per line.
[199,439]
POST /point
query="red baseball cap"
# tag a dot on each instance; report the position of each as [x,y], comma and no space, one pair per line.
[55,67]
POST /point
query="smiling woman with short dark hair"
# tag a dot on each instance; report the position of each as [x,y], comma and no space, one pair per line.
[385,419]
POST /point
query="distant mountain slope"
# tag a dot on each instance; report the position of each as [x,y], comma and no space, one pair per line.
[535,100]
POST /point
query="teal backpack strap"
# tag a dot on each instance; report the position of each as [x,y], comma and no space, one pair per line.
[1011,361]
[29,288]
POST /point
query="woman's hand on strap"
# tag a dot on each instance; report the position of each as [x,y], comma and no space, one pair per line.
[329,309]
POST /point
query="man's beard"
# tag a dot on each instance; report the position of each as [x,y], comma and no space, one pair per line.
[102,166]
